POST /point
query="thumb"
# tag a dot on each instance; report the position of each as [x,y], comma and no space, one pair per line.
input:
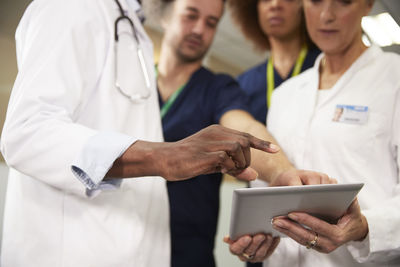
[248,174]
[228,240]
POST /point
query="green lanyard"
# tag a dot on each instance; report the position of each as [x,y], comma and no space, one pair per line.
[167,105]
[270,72]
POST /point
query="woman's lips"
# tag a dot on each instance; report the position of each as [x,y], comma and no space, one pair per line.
[275,20]
[328,31]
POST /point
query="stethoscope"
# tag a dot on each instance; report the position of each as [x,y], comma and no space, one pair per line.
[133,96]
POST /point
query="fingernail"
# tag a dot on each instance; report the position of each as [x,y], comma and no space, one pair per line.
[273,147]
[293,216]
[227,236]
[278,223]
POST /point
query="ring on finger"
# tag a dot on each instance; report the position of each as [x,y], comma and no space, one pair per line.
[247,256]
[313,243]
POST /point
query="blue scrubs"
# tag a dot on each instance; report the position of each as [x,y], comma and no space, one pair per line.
[194,203]
[254,84]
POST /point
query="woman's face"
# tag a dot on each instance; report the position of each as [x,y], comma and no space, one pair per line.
[335,25]
[280,18]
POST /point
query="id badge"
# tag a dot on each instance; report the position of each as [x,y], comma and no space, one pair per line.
[351,114]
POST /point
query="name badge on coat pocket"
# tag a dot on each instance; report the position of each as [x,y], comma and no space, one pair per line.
[351,114]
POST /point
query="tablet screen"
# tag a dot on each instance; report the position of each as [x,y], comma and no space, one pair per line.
[254,208]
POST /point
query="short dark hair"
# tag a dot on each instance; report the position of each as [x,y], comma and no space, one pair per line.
[155,10]
[161,6]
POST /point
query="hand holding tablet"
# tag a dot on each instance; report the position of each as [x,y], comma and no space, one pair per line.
[254,208]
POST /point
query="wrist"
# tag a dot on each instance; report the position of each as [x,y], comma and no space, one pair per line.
[140,159]
[365,229]
[152,158]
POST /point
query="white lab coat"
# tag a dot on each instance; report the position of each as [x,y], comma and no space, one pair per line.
[63,101]
[369,153]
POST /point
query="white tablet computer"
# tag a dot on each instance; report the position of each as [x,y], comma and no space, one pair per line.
[254,208]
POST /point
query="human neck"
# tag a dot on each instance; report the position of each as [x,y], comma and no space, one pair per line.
[338,63]
[173,72]
[285,53]
[334,65]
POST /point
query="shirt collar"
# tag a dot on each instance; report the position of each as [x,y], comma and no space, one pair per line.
[372,52]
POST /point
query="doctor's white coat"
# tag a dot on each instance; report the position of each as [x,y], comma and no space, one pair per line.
[301,119]
[64,101]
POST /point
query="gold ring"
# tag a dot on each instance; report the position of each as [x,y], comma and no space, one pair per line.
[247,256]
[312,243]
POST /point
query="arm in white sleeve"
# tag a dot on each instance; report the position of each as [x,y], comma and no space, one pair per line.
[97,157]
[383,241]
[62,48]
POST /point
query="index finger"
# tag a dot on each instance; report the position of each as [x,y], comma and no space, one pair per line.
[317,225]
[254,142]
[238,246]
[248,174]
[262,145]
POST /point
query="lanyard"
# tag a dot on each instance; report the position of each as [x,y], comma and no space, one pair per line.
[170,101]
[270,72]
[167,105]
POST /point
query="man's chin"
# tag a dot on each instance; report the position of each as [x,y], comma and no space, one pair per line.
[191,57]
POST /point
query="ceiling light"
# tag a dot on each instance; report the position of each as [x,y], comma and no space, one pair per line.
[381,29]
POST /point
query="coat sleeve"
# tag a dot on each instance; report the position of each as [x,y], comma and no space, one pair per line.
[61,50]
[383,241]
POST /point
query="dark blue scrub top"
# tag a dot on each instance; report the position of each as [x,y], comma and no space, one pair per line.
[254,84]
[194,203]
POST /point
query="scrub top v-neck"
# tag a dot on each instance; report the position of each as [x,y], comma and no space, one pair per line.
[254,84]
[194,203]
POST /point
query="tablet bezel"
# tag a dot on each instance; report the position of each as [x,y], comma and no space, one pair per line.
[254,208]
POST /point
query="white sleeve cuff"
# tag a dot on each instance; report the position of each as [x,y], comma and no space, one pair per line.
[97,157]
[382,242]
[359,249]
